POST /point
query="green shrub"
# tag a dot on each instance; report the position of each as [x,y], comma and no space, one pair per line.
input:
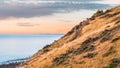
[89,40]
[113,63]
[90,48]
[60,59]
[105,35]
[110,51]
[81,62]
[84,48]
[90,55]
[116,39]
[106,32]
[71,50]
[47,46]
[46,50]
[98,13]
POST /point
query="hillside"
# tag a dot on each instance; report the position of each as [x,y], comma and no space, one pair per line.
[94,43]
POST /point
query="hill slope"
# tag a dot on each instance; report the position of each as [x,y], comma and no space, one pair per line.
[94,43]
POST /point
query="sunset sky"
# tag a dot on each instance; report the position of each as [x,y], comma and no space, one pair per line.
[47,16]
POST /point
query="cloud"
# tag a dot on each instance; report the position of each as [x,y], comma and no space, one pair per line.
[37,8]
[27,24]
[111,2]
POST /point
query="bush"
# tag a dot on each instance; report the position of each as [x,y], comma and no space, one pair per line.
[98,13]
[106,35]
[113,63]
[90,55]
[90,48]
[82,62]
[89,40]
[104,39]
[110,51]
[106,32]
[46,46]
[70,51]
[114,40]
[60,59]
[84,48]
[46,50]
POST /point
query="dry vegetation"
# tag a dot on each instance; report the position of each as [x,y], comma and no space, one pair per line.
[94,43]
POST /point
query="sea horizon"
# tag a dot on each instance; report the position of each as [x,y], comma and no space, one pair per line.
[17,46]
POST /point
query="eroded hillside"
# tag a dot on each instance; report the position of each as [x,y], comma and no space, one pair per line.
[94,43]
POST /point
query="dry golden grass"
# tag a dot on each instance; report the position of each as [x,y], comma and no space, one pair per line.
[75,39]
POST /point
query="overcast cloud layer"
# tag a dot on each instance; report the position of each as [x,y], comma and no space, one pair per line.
[37,8]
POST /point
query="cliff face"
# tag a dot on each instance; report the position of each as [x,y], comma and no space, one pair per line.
[94,43]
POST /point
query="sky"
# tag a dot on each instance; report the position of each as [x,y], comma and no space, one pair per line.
[47,16]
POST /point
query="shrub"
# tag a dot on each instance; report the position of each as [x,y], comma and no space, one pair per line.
[84,48]
[89,40]
[46,46]
[98,13]
[60,59]
[90,55]
[106,35]
[106,32]
[110,51]
[114,40]
[107,16]
[81,62]
[70,51]
[107,11]
[110,15]
[46,50]
[113,63]
[104,39]
[90,48]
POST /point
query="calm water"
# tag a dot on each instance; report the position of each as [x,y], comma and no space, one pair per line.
[21,46]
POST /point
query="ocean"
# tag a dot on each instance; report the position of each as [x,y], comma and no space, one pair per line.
[16,46]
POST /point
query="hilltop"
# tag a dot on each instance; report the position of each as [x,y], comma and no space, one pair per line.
[94,43]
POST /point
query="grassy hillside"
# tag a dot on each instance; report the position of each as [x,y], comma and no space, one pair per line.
[94,43]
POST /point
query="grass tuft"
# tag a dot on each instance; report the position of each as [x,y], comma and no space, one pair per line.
[110,51]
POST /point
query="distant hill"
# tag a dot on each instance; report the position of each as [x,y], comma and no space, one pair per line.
[94,43]
[12,63]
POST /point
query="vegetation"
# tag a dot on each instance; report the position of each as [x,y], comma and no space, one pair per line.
[86,46]
[81,62]
[113,63]
[110,15]
[98,13]
[60,59]
[89,40]
[10,65]
[104,39]
[116,39]
[46,50]
[110,51]
[71,50]
[107,11]
[46,46]
[106,32]
[90,55]
[106,35]
[84,49]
